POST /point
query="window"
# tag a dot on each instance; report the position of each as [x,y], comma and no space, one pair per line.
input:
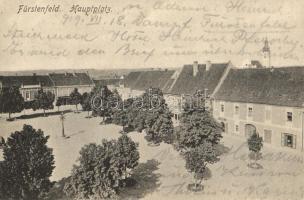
[223,126]
[289,140]
[222,108]
[289,116]
[236,110]
[267,136]
[236,128]
[250,112]
[27,95]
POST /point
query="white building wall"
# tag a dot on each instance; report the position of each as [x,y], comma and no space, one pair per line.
[265,118]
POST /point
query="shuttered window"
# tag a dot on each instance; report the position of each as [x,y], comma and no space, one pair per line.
[288,140]
[267,136]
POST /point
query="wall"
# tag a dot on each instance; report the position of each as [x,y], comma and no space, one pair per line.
[264,117]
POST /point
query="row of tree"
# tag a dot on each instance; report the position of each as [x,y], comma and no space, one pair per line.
[11,101]
[150,113]
[197,138]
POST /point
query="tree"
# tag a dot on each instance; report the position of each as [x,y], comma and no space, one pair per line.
[44,100]
[197,159]
[103,100]
[163,126]
[59,103]
[102,169]
[196,127]
[28,164]
[86,103]
[11,100]
[64,100]
[128,153]
[135,119]
[255,144]
[120,118]
[2,142]
[156,115]
[151,127]
[75,98]
[91,178]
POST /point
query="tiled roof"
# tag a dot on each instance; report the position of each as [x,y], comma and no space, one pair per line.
[131,79]
[145,79]
[8,81]
[187,83]
[68,79]
[108,81]
[282,86]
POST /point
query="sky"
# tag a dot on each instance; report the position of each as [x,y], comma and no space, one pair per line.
[148,33]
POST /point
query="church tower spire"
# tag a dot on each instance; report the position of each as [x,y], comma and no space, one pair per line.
[266,54]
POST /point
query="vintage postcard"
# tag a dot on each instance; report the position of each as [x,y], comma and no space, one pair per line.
[152,99]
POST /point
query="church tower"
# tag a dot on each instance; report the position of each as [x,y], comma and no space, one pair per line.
[266,54]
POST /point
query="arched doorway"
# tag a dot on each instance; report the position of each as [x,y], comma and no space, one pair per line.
[249,130]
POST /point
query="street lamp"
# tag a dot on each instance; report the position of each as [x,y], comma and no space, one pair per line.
[62,118]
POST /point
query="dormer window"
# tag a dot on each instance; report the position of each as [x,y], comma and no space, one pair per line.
[236,110]
[250,110]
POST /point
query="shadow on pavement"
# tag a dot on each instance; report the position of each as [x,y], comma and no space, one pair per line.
[145,181]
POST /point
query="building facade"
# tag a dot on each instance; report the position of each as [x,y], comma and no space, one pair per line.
[65,83]
[58,84]
[28,85]
[279,126]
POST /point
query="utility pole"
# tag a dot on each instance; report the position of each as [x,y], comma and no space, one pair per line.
[62,118]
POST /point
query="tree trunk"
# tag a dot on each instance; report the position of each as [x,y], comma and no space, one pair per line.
[255,158]
[200,181]
[63,135]
[9,115]
[88,113]
[44,112]
[152,136]
[76,108]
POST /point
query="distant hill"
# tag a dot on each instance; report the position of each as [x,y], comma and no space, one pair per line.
[94,73]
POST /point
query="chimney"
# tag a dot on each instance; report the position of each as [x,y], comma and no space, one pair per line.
[195,68]
[34,74]
[208,65]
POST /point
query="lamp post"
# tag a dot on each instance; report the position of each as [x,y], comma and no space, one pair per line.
[62,118]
